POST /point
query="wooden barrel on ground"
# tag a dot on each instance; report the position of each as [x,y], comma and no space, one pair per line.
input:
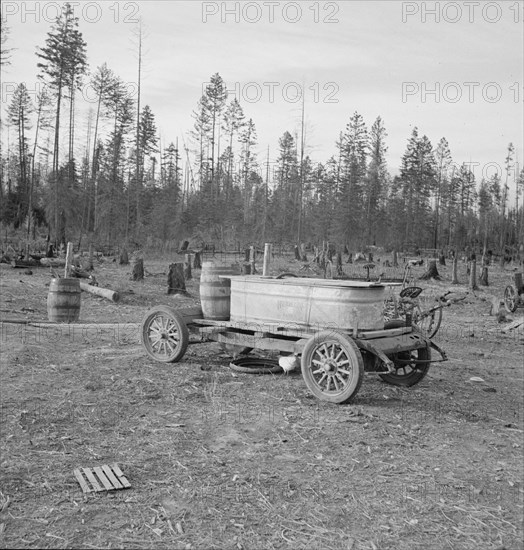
[215,293]
[63,300]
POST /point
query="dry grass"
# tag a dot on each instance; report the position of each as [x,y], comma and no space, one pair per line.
[218,459]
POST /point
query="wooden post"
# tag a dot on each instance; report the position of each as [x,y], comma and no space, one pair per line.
[267,258]
[252,259]
[69,260]
[473,275]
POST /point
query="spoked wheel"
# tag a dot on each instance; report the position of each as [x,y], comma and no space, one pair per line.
[408,371]
[510,299]
[164,334]
[428,321]
[332,366]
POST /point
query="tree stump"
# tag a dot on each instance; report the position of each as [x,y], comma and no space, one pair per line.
[442,259]
[297,253]
[483,279]
[197,262]
[432,272]
[454,276]
[176,283]
[138,270]
[124,258]
[246,268]
[395,258]
[187,268]
[473,275]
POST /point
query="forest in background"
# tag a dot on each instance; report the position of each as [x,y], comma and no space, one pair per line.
[116,183]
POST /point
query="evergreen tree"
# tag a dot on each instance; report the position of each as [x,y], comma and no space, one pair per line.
[63,60]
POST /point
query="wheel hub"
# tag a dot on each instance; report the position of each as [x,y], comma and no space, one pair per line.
[330,367]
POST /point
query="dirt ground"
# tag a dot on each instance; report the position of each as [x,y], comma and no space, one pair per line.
[219,459]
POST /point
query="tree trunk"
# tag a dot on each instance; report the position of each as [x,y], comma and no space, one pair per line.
[297,253]
[473,275]
[138,270]
[432,272]
[442,259]
[176,283]
[483,279]
[454,277]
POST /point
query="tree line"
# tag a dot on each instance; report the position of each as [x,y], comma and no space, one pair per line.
[119,184]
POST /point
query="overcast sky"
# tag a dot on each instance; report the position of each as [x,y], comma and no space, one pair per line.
[452,69]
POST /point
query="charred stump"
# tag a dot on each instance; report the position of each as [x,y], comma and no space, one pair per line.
[124,258]
[483,279]
[432,272]
[176,283]
[138,270]
[473,275]
[454,276]
[197,262]
[187,268]
[339,263]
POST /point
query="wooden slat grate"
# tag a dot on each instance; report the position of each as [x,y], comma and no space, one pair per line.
[101,478]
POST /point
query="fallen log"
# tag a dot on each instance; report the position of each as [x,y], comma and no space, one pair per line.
[24,263]
[103,292]
[53,262]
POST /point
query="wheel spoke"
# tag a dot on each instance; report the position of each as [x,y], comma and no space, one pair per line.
[349,373]
[341,378]
[335,382]
[322,379]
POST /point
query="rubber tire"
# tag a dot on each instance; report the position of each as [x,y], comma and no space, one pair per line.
[356,366]
[415,376]
[274,368]
[180,327]
[510,299]
[286,274]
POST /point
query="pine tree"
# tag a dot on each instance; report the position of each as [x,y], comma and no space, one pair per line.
[377,179]
[443,162]
[353,147]
[63,61]
[19,112]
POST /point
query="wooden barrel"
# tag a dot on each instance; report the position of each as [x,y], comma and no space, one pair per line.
[63,300]
[215,293]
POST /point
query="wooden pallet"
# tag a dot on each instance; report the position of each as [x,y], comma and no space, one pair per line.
[101,478]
